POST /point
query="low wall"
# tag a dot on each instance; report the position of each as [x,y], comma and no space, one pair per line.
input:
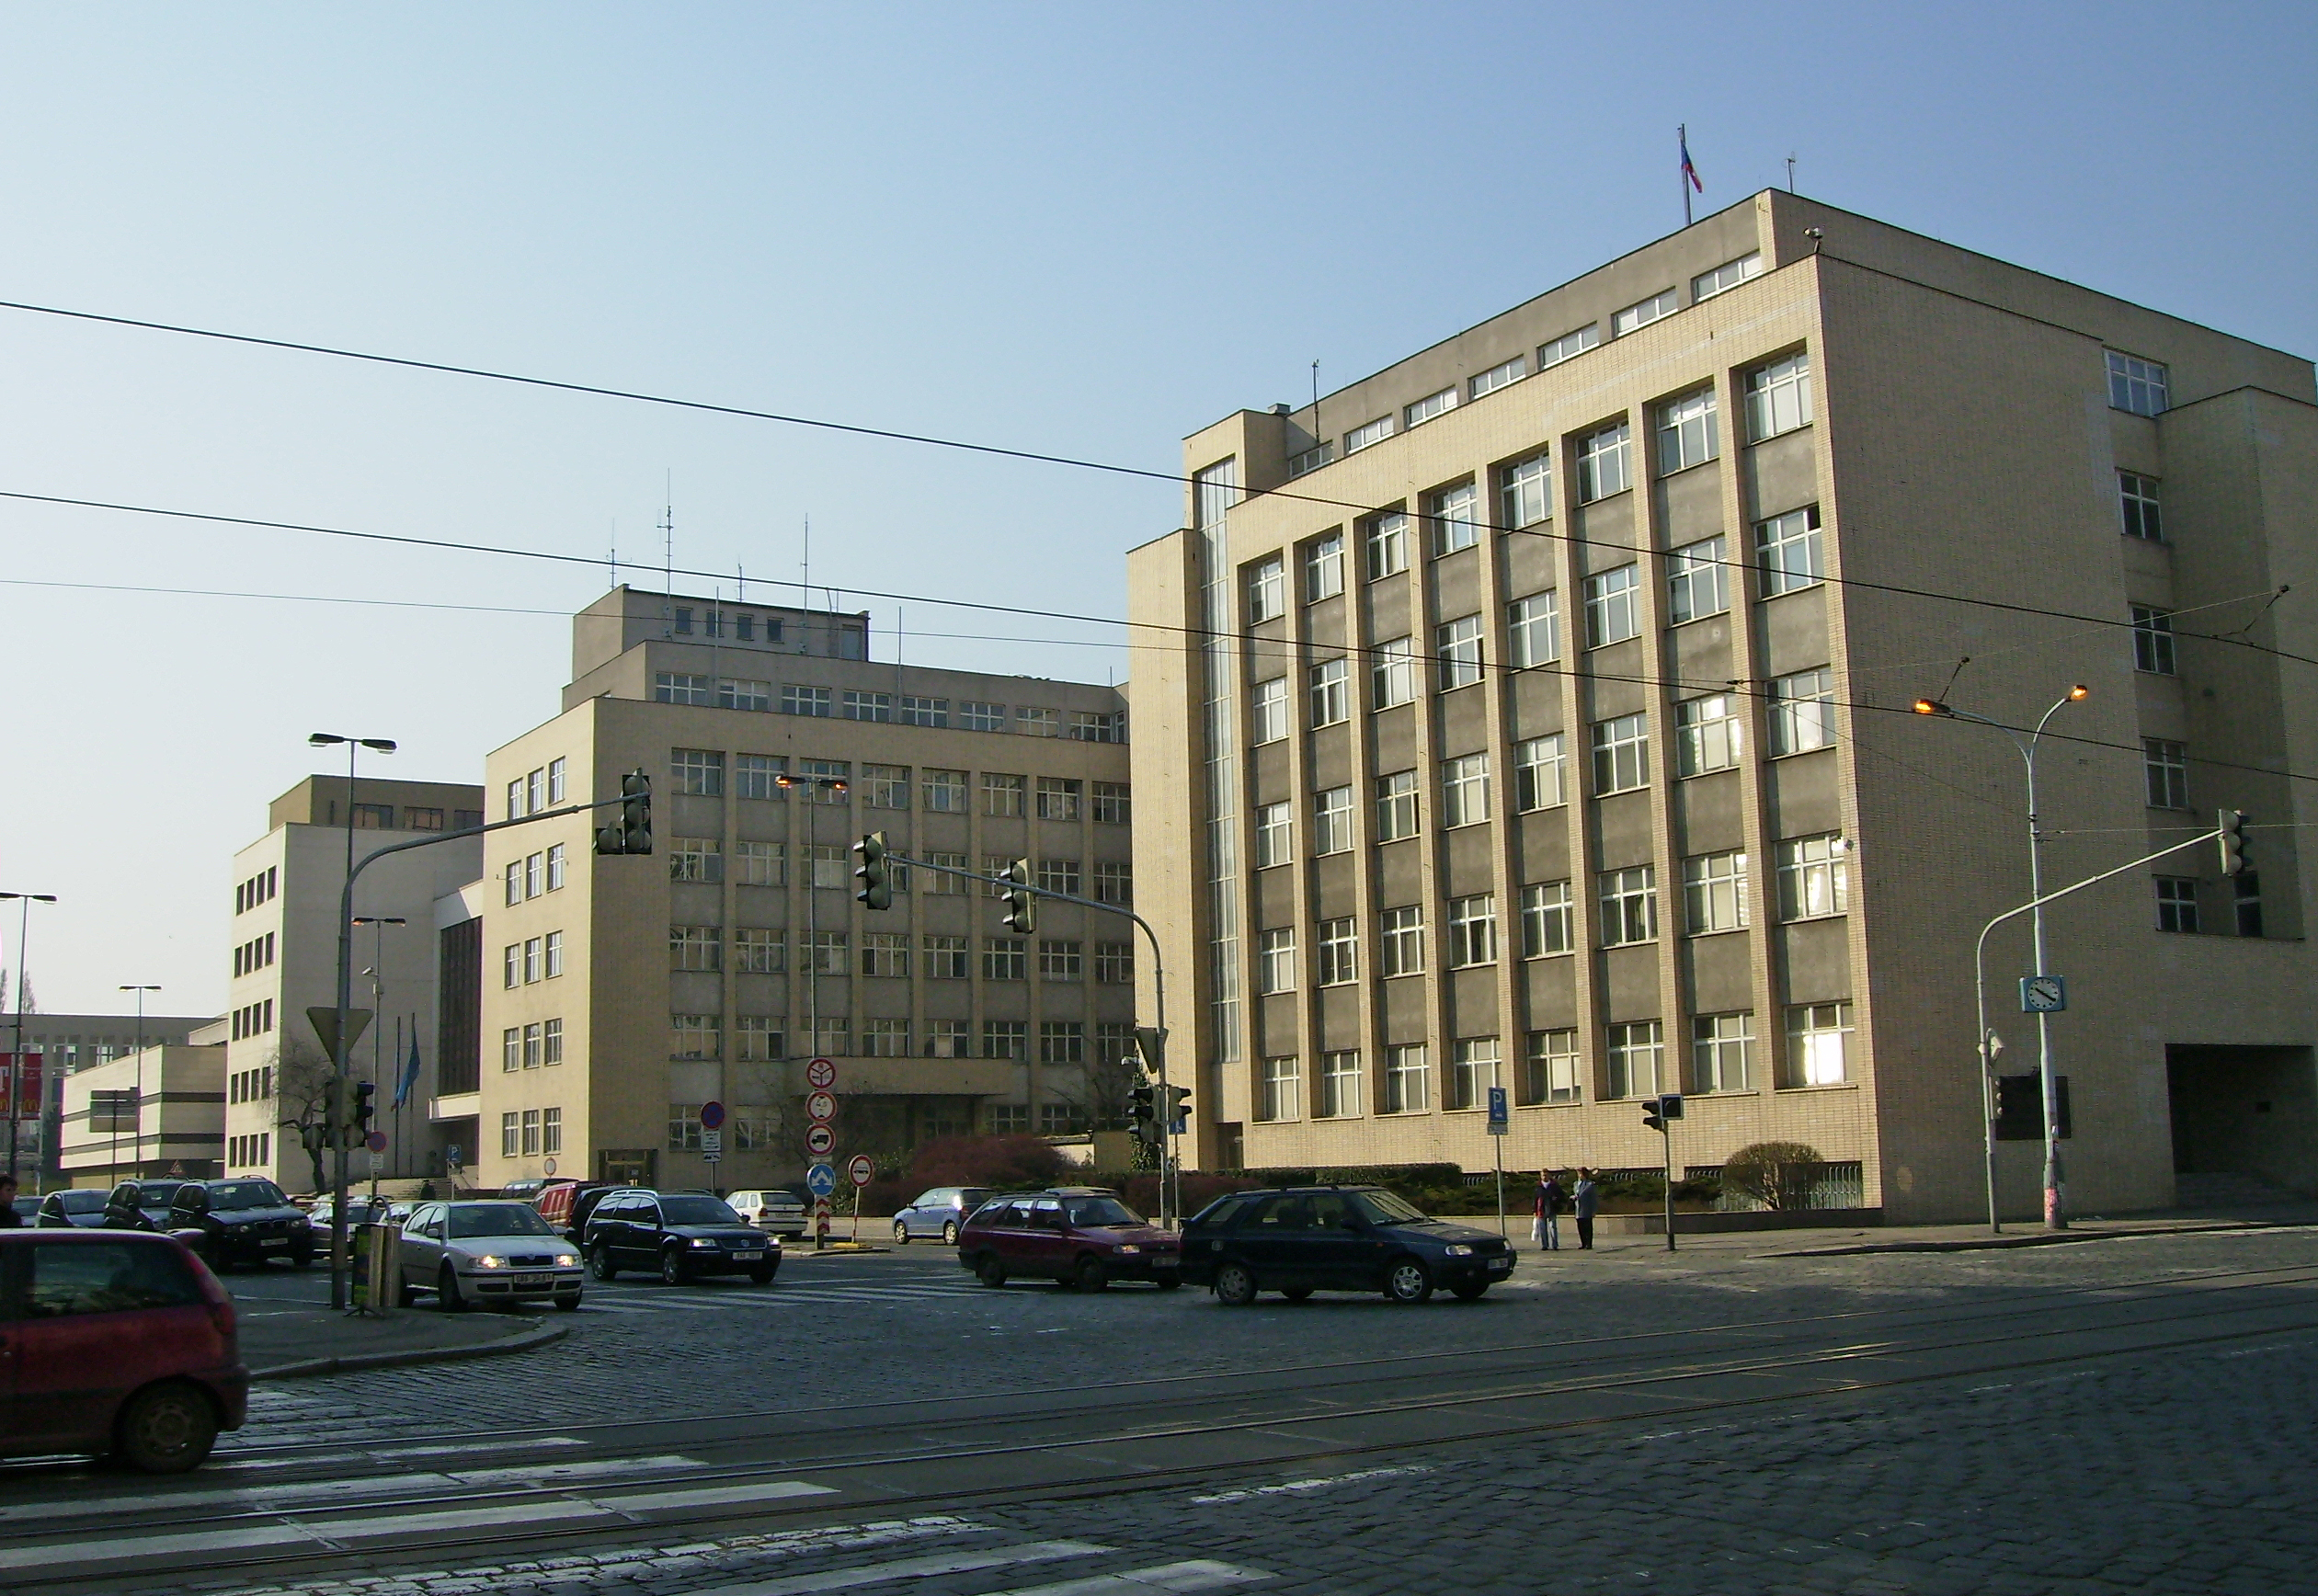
[1760,1219]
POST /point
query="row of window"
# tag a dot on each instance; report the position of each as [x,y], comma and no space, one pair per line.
[255,1151]
[532,1047]
[2178,904]
[670,686]
[755,952]
[257,953]
[539,789]
[254,1019]
[533,959]
[381,817]
[1054,1119]
[531,1133]
[250,1086]
[114,1111]
[829,865]
[535,874]
[263,887]
[700,773]
[1552,1071]
[741,626]
[762,1039]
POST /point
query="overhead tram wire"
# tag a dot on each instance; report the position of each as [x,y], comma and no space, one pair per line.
[994,450]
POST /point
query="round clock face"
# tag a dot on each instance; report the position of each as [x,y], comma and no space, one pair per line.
[2045,989]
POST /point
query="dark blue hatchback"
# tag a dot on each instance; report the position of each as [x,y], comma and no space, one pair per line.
[1297,1240]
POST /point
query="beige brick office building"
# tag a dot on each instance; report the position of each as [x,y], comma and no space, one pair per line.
[1544,723]
[619,993]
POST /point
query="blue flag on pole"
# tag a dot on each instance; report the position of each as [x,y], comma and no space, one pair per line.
[410,1072]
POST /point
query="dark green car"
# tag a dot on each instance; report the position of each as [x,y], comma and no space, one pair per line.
[1299,1239]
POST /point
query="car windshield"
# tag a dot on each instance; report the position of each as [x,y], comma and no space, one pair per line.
[248,1194]
[1092,1213]
[1383,1208]
[697,1210]
[80,1201]
[498,1219]
[157,1193]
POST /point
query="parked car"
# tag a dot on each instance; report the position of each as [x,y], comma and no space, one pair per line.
[490,1252]
[567,1205]
[1297,1240]
[119,1345]
[26,1208]
[1082,1236]
[942,1212]
[776,1213]
[360,1210]
[680,1234]
[65,1210]
[244,1221]
[139,1205]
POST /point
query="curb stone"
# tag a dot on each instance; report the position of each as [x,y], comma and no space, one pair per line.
[538,1336]
[2040,1239]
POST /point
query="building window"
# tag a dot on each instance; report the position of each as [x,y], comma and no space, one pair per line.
[1472,930]
[1778,397]
[1818,1037]
[1061,959]
[1635,1056]
[1036,723]
[1457,645]
[1629,906]
[1695,581]
[1275,835]
[1714,890]
[759,951]
[1613,606]
[1392,673]
[1281,1098]
[1602,467]
[1333,820]
[694,1036]
[1550,1072]
[550,1041]
[511,1049]
[1496,377]
[1387,545]
[1533,630]
[677,686]
[913,709]
[1541,772]
[2247,901]
[761,864]
[697,772]
[1814,877]
[1062,1041]
[1400,947]
[885,953]
[1267,591]
[759,775]
[1059,875]
[422,820]
[757,1039]
[1330,692]
[556,868]
[1407,1079]
[1006,1039]
[1114,882]
[1060,797]
[1426,408]
[534,1045]
[1524,492]
[1115,963]
[512,1133]
[696,948]
[1324,567]
[869,706]
[510,971]
[942,791]
[1568,344]
[1708,735]
[534,959]
[2137,500]
[1457,518]
[1005,1119]
[1465,789]
[1787,552]
[1802,711]
[824,953]
[1340,1084]
[948,1039]
[1687,432]
[1275,960]
[797,699]
[2143,387]
[1268,709]
[534,874]
[946,958]
[744,695]
[1338,947]
[2152,641]
[1112,803]
[942,883]
[1472,1067]
[1005,959]
[2165,770]
[1549,920]
[1002,794]
[516,881]
[1722,1053]
[1635,316]
[1621,754]
[1367,434]
[981,717]
[1726,277]
[373,817]
[696,859]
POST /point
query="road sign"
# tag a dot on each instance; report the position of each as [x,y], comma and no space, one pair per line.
[820,1107]
[819,1141]
[820,1180]
[821,1075]
[376,1140]
[712,1116]
[1496,1123]
[2043,993]
[713,1141]
[549,1166]
[324,1018]
[821,1207]
[860,1169]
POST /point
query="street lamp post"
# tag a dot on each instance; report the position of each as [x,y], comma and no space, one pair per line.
[2055,1212]
[16,1059]
[378,924]
[346,1001]
[139,1130]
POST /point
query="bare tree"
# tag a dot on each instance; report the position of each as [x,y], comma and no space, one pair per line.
[301,1092]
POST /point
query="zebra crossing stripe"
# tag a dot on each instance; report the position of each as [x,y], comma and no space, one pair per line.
[1200,1573]
[932,1566]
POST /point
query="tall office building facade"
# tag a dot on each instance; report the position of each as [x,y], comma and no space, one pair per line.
[1536,713]
[621,995]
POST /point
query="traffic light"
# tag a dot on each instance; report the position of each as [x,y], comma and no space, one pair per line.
[1142,1113]
[875,874]
[1651,1116]
[1021,903]
[1179,1106]
[358,1113]
[2235,849]
[631,830]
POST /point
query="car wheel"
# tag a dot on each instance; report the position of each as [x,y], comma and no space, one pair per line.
[1091,1275]
[569,1305]
[447,1296]
[1301,1294]
[166,1429]
[301,1260]
[675,1269]
[1235,1286]
[1168,1281]
[988,1271]
[949,1232]
[600,1263]
[1469,1293]
[761,1277]
[217,1258]
[1407,1281]
[901,1234]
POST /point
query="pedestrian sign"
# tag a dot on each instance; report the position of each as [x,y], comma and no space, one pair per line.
[1497,1121]
[820,1179]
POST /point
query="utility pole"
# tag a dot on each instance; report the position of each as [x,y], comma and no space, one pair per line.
[1656,1114]
[16,1059]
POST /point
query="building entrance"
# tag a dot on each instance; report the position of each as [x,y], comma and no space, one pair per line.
[2246,1110]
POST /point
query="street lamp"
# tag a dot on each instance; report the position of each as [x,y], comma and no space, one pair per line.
[2055,1216]
[378,924]
[16,1059]
[834,787]
[139,1129]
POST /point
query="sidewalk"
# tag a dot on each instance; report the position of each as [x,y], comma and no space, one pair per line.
[286,1343]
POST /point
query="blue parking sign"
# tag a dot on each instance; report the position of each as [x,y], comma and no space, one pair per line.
[1496,1117]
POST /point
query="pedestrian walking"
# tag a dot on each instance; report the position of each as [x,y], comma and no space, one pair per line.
[1549,1226]
[10,1218]
[1587,1199]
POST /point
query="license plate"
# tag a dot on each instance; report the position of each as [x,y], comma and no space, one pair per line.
[1501,1266]
[535,1277]
[749,1257]
[275,1241]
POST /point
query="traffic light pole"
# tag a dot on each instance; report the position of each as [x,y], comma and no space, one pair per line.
[336,1127]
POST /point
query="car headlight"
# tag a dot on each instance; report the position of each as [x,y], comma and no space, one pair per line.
[1458,1250]
[703,1241]
[1129,1247]
[490,1260]
[567,1261]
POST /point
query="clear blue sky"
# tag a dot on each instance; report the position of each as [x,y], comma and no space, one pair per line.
[1087,229]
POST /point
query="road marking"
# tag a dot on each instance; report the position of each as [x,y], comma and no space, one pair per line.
[545,1510]
[113,1549]
[1296,1485]
[935,1566]
[715,1496]
[390,1450]
[1201,1574]
[290,1492]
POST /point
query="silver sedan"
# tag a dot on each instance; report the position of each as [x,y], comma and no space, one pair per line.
[492,1254]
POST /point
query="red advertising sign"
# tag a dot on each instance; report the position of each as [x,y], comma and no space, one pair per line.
[32,1081]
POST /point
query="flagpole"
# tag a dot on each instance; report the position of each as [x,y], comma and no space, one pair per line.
[1682,169]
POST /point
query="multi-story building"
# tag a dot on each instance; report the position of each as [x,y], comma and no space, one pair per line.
[284,960]
[1546,726]
[55,1046]
[619,995]
[150,1113]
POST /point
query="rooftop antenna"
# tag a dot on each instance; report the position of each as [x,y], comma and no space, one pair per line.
[667,546]
[613,554]
[740,595]
[1790,171]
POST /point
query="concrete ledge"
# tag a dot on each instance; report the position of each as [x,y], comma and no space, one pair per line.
[1716,1223]
[2092,1231]
[348,1362]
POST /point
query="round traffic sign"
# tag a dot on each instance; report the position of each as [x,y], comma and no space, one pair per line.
[820,1180]
[549,1166]
[860,1169]
[712,1116]
[819,1140]
[820,1073]
[820,1107]
[376,1141]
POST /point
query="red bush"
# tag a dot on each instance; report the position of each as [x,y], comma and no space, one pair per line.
[1003,1162]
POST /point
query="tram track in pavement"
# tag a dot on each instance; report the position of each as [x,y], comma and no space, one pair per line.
[563,1501]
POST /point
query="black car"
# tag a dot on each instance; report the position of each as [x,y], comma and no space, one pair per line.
[1299,1239]
[245,1221]
[680,1234]
[140,1205]
[59,1210]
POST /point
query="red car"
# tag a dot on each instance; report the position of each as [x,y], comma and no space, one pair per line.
[117,1344]
[1081,1236]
